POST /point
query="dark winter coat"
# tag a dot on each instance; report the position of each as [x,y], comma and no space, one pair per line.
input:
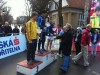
[1,31]
[8,30]
[78,38]
[16,30]
[66,43]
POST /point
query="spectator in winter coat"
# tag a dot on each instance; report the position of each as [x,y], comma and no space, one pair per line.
[94,40]
[1,30]
[23,30]
[15,30]
[7,29]
[82,28]
[60,47]
[77,40]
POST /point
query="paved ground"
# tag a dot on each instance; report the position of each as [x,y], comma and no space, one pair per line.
[8,66]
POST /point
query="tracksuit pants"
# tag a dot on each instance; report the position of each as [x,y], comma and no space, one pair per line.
[31,50]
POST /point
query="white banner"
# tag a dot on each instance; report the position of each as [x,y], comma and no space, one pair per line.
[11,45]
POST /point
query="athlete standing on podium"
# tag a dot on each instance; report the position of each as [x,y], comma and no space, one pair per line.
[42,37]
[32,35]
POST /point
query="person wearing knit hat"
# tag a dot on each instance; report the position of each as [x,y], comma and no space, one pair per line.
[77,40]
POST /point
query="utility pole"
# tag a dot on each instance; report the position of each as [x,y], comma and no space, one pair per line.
[60,13]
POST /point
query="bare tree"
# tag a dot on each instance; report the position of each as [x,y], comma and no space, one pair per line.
[59,7]
[2,5]
[39,5]
[60,13]
[28,9]
[6,15]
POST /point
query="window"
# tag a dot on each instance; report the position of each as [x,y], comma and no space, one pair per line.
[80,19]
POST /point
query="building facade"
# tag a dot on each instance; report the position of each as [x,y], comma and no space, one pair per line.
[72,12]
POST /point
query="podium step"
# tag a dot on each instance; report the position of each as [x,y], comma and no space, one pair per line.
[46,58]
[23,68]
[24,64]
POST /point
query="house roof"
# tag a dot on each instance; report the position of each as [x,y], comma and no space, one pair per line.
[77,3]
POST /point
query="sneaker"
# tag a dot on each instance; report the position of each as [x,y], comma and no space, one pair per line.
[44,50]
[30,62]
[74,60]
[40,51]
[87,65]
[36,61]
[70,55]
[62,70]
[60,55]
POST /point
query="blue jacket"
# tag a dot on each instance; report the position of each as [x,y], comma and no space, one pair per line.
[92,39]
[41,22]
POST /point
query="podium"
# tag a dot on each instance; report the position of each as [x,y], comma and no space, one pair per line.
[45,59]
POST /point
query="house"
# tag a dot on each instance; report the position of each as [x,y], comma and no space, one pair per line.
[72,12]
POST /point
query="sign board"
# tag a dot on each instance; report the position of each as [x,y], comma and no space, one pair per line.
[11,45]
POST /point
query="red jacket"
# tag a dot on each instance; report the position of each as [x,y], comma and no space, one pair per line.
[85,37]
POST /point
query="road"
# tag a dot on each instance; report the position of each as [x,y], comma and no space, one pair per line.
[8,66]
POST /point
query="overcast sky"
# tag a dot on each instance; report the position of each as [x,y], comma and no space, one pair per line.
[17,6]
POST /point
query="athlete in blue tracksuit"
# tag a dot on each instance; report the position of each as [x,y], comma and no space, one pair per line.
[41,23]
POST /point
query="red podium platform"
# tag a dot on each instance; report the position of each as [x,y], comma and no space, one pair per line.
[45,58]
[24,64]
[23,68]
